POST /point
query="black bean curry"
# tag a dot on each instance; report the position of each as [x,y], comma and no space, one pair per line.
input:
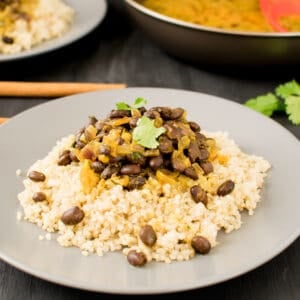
[109,150]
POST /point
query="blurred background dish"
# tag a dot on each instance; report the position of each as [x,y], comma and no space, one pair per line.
[25,24]
[212,45]
[73,21]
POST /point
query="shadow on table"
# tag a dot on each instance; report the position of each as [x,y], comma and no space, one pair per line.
[280,72]
[264,72]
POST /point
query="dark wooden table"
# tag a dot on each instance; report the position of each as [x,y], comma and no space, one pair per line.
[118,52]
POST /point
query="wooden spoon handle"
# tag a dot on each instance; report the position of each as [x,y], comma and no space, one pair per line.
[2,120]
[52,89]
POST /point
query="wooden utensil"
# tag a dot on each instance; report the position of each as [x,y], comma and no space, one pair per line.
[2,120]
[273,10]
[52,89]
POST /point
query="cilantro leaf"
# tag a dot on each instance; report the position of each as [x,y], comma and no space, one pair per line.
[286,98]
[288,89]
[122,106]
[145,133]
[266,104]
[139,102]
[293,109]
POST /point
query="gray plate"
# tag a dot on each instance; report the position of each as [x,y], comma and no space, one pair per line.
[87,16]
[274,226]
[206,45]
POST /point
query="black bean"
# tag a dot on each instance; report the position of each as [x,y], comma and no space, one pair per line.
[136,158]
[73,156]
[116,159]
[119,113]
[198,194]
[130,169]
[72,216]
[200,138]
[176,113]
[148,235]
[64,158]
[79,145]
[167,163]
[36,176]
[142,110]
[39,197]
[152,114]
[8,40]
[98,166]
[92,120]
[207,167]
[173,132]
[165,145]
[104,149]
[133,122]
[136,259]
[193,151]
[136,182]
[190,172]
[178,164]
[204,154]
[201,244]
[165,112]
[225,188]
[109,171]
[194,126]
[156,162]
[65,152]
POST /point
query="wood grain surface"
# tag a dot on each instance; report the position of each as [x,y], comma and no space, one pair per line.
[118,52]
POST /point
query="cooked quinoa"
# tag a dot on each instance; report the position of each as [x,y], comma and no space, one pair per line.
[115,215]
[25,24]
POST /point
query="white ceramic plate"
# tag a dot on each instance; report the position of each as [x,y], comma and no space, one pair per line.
[274,226]
[88,14]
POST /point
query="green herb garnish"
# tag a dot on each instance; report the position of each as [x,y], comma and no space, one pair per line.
[139,102]
[285,98]
[293,109]
[266,104]
[146,134]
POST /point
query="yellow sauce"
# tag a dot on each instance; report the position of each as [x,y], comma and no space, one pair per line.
[239,15]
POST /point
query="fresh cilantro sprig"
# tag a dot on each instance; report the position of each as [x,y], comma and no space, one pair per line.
[293,109]
[265,104]
[286,98]
[139,102]
[288,89]
[146,134]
